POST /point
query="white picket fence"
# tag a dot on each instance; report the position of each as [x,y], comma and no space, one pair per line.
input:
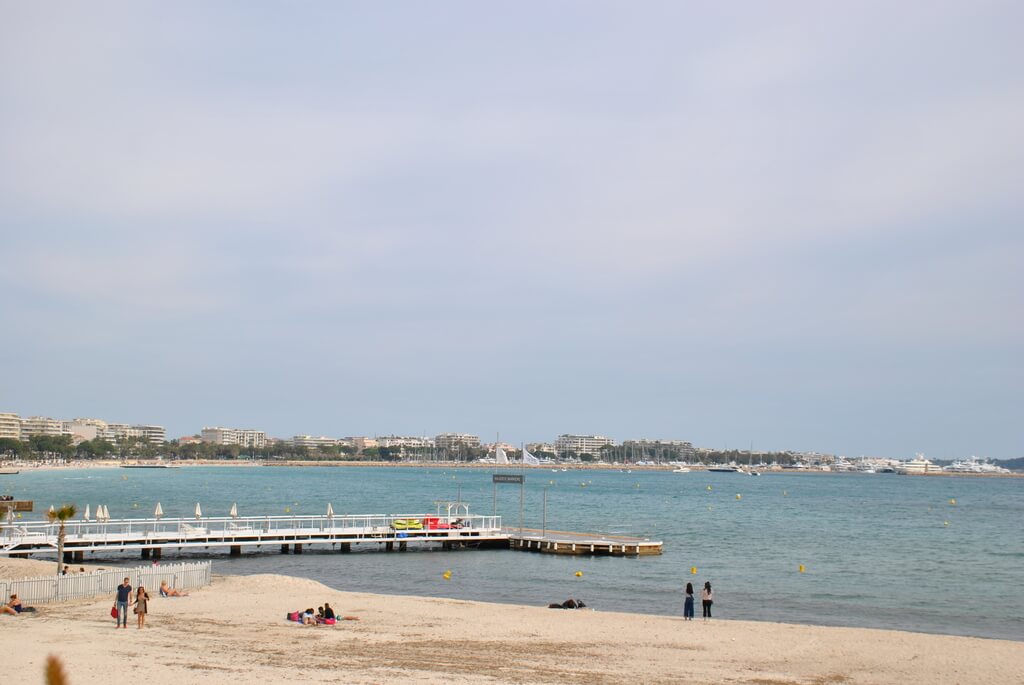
[83,585]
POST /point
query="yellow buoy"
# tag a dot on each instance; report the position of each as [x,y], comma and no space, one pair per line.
[785,493]
[693,570]
[124,477]
[802,569]
[953,501]
[945,523]
[709,507]
[447,575]
[739,496]
[579,574]
[287,510]
[135,505]
[709,487]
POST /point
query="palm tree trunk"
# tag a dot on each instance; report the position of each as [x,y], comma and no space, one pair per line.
[60,554]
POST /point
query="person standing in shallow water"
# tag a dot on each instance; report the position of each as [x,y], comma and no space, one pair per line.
[707,598]
[688,604]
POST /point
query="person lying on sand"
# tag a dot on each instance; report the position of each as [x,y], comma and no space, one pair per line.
[13,606]
[167,591]
[568,604]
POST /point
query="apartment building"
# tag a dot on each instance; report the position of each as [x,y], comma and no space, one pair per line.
[10,426]
[41,425]
[581,444]
[405,442]
[453,441]
[314,442]
[244,437]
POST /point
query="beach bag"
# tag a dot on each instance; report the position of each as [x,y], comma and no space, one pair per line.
[330,621]
[293,616]
[113,611]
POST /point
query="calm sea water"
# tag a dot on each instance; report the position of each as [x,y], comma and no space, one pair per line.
[879,551]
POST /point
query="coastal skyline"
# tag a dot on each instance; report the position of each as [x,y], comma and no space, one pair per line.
[794,226]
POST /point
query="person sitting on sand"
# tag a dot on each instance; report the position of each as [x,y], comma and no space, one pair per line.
[328,611]
[308,617]
[168,591]
[13,606]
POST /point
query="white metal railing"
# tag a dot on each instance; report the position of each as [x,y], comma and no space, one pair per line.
[86,535]
[55,588]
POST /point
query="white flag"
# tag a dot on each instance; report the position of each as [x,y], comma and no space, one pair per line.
[529,458]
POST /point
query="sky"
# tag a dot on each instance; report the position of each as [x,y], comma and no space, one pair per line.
[792,225]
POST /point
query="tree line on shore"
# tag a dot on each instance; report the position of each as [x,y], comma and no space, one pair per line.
[44,447]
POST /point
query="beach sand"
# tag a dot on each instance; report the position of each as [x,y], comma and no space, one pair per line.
[236,629]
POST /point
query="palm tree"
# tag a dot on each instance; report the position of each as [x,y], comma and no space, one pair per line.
[61,516]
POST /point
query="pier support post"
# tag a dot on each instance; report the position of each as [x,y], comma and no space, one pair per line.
[79,557]
[297,549]
[68,558]
[145,552]
[345,547]
[389,546]
[284,549]
[157,552]
[446,545]
[402,546]
[236,550]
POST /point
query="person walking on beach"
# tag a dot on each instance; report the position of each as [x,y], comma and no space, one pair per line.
[141,606]
[124,595]
[707,598]
[688,604]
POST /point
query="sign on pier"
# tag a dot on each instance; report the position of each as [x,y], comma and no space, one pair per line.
[508,478]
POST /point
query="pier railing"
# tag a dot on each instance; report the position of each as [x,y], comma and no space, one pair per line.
[55,588]
[246,530]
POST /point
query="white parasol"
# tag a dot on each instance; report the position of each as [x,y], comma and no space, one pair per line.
[88,513]
[159,511]
[199,511]
[330,511]
[234,510]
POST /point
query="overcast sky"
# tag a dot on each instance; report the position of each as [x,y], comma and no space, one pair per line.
[797,225]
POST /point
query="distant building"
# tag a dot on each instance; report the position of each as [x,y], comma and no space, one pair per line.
[41,425]
[361,443]
[10,426]
[404,442]
[658,450]
[581,444]
[454,441]
[189,440]
[314,442]
[244,437]
[538,447]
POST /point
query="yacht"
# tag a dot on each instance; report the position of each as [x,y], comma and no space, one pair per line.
[918,465]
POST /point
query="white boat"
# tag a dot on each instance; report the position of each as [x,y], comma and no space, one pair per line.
[972,465]
[681,469]
[725,468]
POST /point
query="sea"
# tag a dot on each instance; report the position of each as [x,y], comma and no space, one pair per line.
[927,554]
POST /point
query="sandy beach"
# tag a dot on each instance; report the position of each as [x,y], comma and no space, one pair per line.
[236,629]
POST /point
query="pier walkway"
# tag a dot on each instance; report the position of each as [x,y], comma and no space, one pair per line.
[151,536]
[593,544]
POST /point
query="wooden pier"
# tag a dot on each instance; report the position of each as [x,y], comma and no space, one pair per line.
[452,529]
[591,544]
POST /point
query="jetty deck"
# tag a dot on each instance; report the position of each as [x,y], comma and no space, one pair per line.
[593,544]
[151,537]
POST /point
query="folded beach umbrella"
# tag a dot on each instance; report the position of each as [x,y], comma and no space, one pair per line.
[88,514]
[159,511]
[106,512]
[330,511]
[52,509]
[199,511]
[234,510]
[10,517]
